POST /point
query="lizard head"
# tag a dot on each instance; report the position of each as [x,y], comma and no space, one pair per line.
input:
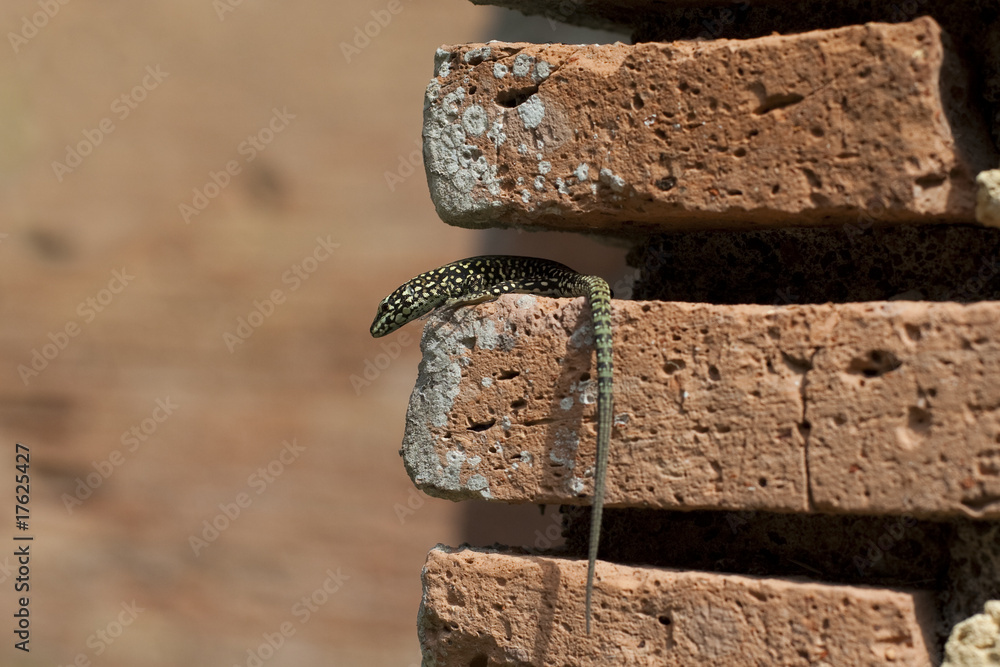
[396,310]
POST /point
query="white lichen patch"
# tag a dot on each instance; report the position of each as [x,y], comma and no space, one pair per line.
[582,172]
[542,71]
[566,403]
[499,70]
[587,390]
[523,64]
[480,484]
[474,120]
[432,92]
[525,196]
[561,186]
[477,55]
[616,183]
[463,184]
[487,382]
[526,301]
[564,447]
[582,336]
[442,66]
[496,133]
[446,347]
[532,112]
[544,167]
[540,183]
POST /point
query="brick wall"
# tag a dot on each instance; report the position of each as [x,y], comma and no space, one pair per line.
[805,466]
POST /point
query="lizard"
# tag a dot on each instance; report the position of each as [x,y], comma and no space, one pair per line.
[486,277]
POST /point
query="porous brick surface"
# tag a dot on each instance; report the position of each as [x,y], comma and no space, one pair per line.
[866,121]
[487,607]
[881,407]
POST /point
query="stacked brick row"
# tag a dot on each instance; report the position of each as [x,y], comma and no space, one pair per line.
[805,466]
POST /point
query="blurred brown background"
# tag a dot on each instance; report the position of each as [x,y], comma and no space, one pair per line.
[150,411]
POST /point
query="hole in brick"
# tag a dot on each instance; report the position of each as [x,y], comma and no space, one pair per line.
[817,131]
[637,102]
[515,97]
[666,183]
[813,179]
[518,404]
[776,189]
[931,181]
[918,419]
[674,365]
[912,331]
[878,362]
[740,152]
[479,661]
[664,620]
[713,373]
[762,481]
[478,427]
[508,375]
[779,101]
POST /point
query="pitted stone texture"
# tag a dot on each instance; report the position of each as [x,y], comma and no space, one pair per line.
[975,642]
[486,607]
[873,408]
[815,128]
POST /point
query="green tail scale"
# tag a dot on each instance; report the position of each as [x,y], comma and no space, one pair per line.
[487,277]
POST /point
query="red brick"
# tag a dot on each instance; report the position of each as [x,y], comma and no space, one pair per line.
[881,407]
[827,126]
[485,607]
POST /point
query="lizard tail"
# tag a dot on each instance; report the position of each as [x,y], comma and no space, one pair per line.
[600,305]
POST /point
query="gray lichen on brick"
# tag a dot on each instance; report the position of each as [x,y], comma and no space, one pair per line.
[463,183]
[447,342]
[532,112]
